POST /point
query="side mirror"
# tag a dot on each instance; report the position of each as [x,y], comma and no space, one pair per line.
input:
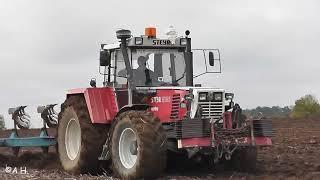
[105,57]
[93,83]
[211,59]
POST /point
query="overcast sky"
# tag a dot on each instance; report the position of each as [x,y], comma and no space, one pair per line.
[269,49]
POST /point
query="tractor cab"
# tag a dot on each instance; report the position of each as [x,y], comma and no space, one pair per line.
[153,62]
[144,66]
[151,66]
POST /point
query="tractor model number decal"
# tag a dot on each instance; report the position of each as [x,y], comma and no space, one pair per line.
[160,99]
[161,42]
[155,108]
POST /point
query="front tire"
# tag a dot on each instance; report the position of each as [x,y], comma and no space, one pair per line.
[138,146]
[79,141]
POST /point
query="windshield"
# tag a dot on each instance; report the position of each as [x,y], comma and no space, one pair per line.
[156,67]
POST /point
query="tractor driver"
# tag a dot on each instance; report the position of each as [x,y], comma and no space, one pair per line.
[142,75]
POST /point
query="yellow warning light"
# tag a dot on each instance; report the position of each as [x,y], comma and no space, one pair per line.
[151,32]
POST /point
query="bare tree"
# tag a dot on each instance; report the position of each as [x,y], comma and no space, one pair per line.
[2,124]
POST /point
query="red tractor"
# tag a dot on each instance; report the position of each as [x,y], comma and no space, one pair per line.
[149,106]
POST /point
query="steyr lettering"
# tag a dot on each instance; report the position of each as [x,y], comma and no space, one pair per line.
[161,42]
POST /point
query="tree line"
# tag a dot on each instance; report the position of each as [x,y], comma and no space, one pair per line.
[273,112]
[2,125]
[305,107]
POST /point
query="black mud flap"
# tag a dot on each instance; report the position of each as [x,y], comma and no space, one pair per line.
[192,128]
[262,128]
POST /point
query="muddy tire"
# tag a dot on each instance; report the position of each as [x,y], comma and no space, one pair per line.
[138,146]
[245,159]
[79,141]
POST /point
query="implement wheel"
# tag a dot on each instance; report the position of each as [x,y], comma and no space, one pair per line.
[79,141]
[138,146]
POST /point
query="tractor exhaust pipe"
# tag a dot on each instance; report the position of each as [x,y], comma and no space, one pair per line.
[189,61]
[123,35]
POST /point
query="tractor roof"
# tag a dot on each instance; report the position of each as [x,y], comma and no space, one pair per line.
[147,42]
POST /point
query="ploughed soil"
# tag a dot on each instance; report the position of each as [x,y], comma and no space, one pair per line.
[295,154]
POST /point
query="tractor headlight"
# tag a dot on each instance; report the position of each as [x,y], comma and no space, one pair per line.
[229,96]
[138,40]
[183,41]
[218,96]
[202,96]
[189,97]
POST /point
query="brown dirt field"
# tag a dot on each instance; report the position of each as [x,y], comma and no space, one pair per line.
[295,154]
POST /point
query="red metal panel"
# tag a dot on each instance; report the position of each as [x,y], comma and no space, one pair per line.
[206,142]
[76,91]
[227,120]
[195,142]
[162,104]
[102,105]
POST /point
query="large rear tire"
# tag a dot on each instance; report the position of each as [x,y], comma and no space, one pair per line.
[138,146]
[79,141]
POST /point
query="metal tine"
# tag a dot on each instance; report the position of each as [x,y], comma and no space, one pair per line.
[20,116]
[40,109]
[48,114]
